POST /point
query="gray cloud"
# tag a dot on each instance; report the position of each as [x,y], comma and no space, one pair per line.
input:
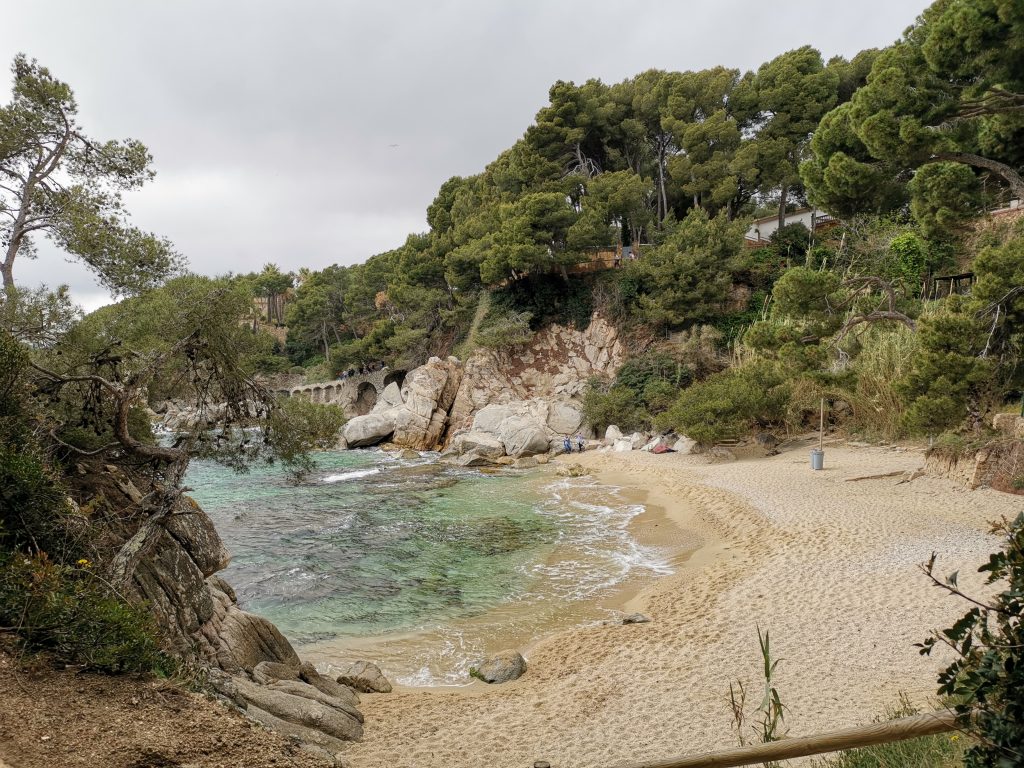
[271,122]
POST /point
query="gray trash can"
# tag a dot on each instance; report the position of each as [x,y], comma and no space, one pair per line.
[817,458]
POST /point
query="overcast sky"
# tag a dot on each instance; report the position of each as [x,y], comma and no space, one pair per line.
[272,124]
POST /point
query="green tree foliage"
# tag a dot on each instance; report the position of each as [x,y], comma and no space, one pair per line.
[49,592]
[949,93]
[986,677]
[730,403]
[794,91]
[57,182]
[686,278]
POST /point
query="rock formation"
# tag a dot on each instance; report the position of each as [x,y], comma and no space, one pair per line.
[554,366]
[249,661]
[498,403]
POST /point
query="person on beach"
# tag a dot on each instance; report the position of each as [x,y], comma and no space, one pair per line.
[567,444]
[581,443]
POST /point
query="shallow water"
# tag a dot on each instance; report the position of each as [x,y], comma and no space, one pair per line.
[419,565]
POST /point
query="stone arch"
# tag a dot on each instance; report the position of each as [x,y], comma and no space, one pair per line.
[396,377]
[366,398]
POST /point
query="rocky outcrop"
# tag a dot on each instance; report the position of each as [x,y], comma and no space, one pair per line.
[248,660]
[554,367]
[370,429]
[999,465]
[415,416]
[516,429]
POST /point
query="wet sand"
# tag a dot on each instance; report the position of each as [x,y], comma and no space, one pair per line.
[829,567]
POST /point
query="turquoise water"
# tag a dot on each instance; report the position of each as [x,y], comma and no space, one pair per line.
[370,546]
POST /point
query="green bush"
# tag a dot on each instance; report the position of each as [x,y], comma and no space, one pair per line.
[617,405]
[69,612]
[729,403]
[504,330]
[986,678]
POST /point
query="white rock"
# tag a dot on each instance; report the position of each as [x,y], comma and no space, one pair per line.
[370,429]
[684,445]
[612,434]
[622,446]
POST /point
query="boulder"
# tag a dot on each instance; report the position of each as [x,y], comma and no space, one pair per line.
[612,434]
[637,441]
[571,470]
[474,459]
[307,691]
[193,529]
[523,436]
[622,445]
[501,668]
[481,442]
[313,715]
[268,672]
[390,397]
[365,677]
[685,446]
[370,429]
[525,462]
[564,419]
[490,419]
[540,458]
[406,453]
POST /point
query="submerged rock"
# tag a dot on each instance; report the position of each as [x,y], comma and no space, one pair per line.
[366,677]
[571,470]
[505,666]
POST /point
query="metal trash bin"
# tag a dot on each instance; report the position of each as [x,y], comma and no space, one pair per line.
[817,458]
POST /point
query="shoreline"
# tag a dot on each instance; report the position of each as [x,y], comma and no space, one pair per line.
[661,528]
[830,568]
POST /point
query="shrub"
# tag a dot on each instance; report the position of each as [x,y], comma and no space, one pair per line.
[986,678]
[617,405]
[69,612]
[504,330]
[730,403]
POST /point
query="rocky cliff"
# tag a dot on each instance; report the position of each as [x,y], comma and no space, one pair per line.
[516,402]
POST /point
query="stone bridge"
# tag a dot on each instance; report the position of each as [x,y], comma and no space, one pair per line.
[355,394]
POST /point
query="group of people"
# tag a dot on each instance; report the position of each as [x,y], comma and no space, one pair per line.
[362,371]
[581,443]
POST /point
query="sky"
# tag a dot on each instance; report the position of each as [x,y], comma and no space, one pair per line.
[313,133]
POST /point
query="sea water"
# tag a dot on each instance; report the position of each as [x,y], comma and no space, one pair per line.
[416,564]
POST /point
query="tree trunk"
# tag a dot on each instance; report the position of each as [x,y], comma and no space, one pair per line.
[783,195]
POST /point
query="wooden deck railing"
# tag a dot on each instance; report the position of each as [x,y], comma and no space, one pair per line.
[834,741]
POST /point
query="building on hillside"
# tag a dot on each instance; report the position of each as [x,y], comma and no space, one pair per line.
[762,229]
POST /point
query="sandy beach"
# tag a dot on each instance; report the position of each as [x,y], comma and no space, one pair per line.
[828,566]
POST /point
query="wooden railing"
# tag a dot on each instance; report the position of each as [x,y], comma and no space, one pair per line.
[834,741]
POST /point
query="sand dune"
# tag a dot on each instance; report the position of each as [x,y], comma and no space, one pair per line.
[829,567]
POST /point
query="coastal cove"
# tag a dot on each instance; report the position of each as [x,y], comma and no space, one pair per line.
[829,567]
[425,568]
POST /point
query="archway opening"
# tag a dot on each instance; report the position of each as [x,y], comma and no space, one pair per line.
[395,377]
[366,398]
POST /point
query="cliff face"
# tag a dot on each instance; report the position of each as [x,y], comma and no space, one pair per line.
[554,366]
